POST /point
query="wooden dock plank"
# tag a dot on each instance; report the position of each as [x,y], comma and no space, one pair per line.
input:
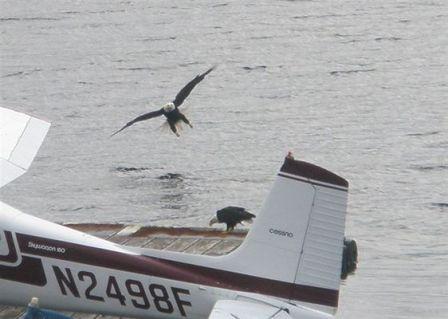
[138,241]
[224,247]
[121,240]
[12,312]
[202,245]
[180,244]
[160,242]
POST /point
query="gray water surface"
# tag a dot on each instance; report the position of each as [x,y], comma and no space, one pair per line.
[358,87]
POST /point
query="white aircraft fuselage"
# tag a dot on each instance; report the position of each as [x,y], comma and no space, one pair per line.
[80,272]
[288,266]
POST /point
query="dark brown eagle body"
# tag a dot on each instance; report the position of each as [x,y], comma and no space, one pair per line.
[231,216]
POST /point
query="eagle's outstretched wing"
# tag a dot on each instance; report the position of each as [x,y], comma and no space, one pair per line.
[143,117]
[186,90]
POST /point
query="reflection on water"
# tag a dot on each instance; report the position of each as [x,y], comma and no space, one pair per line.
[122,169]
[173,188]
[171,176]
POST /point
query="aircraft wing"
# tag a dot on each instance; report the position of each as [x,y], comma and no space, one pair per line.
[232,309]
[20,138]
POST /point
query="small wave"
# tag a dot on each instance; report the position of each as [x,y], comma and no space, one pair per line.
[29,19]
[441,205]
[107,11]
[123,169]
[263,37]
[220,5]
[163,52]
[137,69]
[275,97]
[188,64]
[74,115]
[426,254]
[40,19]
[340,35]
[352,41]
[9,19]
[257,67]
[388,39]
[336,73]
[18,73]
[158,39]
[441,144]
[13,74]
[430,167]
[77,208]
[323,16]
[174,207]
[424,134]
[71,12]
[171,176]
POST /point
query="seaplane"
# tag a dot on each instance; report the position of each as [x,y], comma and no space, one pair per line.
[288,266]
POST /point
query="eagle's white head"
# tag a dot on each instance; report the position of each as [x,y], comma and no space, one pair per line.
[214,220]
[169,107]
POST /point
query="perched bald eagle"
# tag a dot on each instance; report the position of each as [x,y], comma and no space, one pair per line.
[231,216]
[171,110]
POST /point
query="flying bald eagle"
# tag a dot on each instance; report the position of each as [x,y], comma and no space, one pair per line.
[231,216]
[171,110]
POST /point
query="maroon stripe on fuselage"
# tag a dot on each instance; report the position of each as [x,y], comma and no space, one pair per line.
[311,171]
[174,270]
[30,271]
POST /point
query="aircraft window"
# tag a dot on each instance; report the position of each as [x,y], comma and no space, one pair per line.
[3,245]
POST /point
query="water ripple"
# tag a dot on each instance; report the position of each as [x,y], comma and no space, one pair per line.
[430,167]
[388,39]
[171,176]
[123,169]
[441,205]
[253,68]
[342,72]
[424,134]
[75,209]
